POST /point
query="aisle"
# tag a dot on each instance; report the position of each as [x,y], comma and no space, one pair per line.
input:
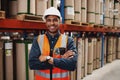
[110,71]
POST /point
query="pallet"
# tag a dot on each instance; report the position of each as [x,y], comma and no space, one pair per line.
[2,14]
[28,17]
[72,22]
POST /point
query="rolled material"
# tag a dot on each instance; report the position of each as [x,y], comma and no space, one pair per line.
[114,49]
[97,12]
[91,11]
[77,9]
[90,56]
[69,9]
[106,11]
[110,49]
[20,61]
[1,61]
[13,8]
[8,60]
[94,53]
[79,61]
[86,55]
[84,11]
[98,55]
[118,48]
[33,6]
[41,7]
[22,6]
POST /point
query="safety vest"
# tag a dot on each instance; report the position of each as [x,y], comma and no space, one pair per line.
[57,73]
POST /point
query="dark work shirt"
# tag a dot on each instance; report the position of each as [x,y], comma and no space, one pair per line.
[66,64]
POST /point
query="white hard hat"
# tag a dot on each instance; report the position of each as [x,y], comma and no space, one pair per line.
[52,11]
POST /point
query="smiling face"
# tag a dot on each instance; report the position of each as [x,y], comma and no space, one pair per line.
[52,23]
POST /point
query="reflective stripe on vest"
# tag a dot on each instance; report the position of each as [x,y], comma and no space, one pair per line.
[54,75]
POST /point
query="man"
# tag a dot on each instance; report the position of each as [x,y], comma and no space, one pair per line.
[53,54]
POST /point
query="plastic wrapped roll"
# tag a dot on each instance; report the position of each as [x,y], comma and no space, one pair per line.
[90,56]
[84,11]
[13,8]
[41,7]
[110,49]
[106,15]
[8,60]
[94,53]
[20,63]
[97,12]
[23,6]
[1,61]
[118,48]
[77,9]
[69,10]
[98,55]
[79,61]
[91,11]
[32,6]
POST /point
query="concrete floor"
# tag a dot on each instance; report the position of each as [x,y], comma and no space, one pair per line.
[110,71]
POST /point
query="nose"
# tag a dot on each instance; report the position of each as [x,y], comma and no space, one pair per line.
[52,22]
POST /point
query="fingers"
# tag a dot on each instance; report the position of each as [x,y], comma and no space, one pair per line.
[68,54]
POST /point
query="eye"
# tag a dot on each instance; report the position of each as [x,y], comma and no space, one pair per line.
[55,20]
[48,20]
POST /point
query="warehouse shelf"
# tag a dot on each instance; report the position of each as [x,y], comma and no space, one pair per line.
[13,24]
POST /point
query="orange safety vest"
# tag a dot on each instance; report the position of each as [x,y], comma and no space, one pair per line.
[57,73]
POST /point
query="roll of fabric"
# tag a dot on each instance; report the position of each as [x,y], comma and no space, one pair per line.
[33,7]
[118,48]
[101,12]
[20,61]
[98,55]
[49,3]
[23,6]
[110,49]
[13,8]
[41,7]
[79,61]
[97,12]
[91,11]
[90,56]
[83,59]
[106,11]
[86,55]
[69,10]
[77,9]
[1,60]
[114,48]
[84,11]
[8,60]
[94,53]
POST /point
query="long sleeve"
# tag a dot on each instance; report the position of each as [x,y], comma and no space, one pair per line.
[68,64]
[34,61]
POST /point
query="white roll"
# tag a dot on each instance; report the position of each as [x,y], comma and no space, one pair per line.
[41,7]
[32,6]
[22,6]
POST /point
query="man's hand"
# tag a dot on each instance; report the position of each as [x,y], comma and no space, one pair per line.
[42,58]
[68,54]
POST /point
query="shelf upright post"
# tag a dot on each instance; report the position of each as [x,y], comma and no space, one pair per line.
[102,50]
[62,10]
